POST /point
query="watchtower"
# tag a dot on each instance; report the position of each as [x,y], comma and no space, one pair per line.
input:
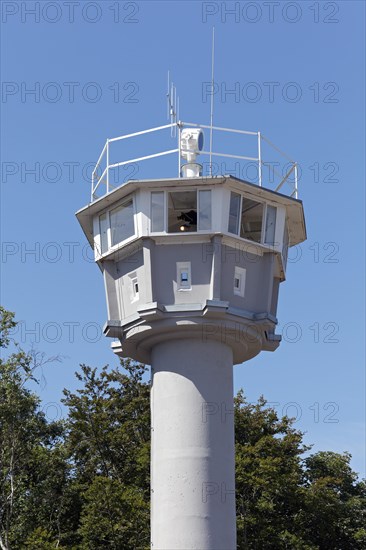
[192,266]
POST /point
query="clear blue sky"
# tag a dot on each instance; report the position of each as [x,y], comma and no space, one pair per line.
[313,52]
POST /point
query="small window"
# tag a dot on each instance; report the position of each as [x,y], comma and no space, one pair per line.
[184,276]
[270,224]
[122,223]
[234,210]
[182,211]
[239,281]
[157,211]
[251,220]
[103,228]
[134,288]
[204,218]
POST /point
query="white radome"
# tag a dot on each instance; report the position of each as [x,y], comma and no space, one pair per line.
[191,144]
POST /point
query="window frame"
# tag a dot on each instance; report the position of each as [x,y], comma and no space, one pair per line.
[199,191]
[285,244]
[239,214]
[184,267]
[264,214]
[265,225]
[107,212]
[134,294]
[264,218]
[166,206]
[240,275]
[165,211]
[107,220]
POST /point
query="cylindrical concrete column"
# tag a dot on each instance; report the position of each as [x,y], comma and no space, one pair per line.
[193,454]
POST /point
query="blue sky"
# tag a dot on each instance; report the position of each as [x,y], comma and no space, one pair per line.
[98,70]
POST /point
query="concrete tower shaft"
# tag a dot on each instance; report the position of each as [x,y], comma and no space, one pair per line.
[192,467]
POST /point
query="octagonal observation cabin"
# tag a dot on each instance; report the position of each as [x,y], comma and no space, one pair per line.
[180,253]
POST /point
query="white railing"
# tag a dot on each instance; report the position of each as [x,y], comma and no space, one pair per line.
[104,178]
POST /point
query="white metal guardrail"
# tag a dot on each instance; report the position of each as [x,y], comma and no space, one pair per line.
[104,177]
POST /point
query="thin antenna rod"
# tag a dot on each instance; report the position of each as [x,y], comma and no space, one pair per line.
[172,106]
[212,94]
[167,97]
[175,112]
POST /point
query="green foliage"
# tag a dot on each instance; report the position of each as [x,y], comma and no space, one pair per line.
[268,477]
[32,467]
[7,323]
[114,516]
[108,441]
[109,424]
[83,484]
[334,513]
[284,501]
[40,539]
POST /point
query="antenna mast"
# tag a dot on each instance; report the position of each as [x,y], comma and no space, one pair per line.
[172,106]
[212,93]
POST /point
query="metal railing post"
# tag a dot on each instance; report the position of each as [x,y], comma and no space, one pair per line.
[107,165]
[296,180]
[259,161]
[179,154]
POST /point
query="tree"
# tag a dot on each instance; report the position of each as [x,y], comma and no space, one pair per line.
[286,501]
[268,477]
[31,465]
[334,513]
[108,442]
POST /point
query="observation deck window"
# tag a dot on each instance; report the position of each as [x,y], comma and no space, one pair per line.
[252,220]
[181,211]
[116,225]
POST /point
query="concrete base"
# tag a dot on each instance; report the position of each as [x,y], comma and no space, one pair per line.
[193,453]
